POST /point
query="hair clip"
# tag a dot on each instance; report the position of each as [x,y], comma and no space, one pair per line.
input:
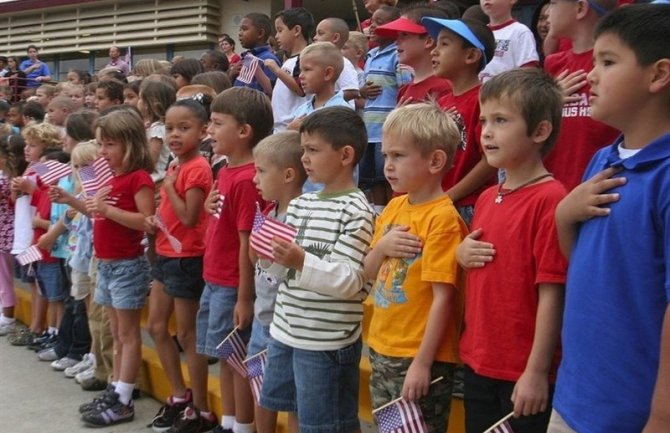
[199,97]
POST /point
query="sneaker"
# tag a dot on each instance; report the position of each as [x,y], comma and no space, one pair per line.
[219,429]
[458,389]
[87,407]
[7,328]
[110,411]
[169,413]
[192,421]
[84,375]
[44,341]
[63,363]
[21,337]
[47,355]
[93,384]
[86,362]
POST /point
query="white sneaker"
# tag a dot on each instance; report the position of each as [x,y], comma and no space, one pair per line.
[84,375]
[7,328]
[63,363]
[87,362]
[48,355]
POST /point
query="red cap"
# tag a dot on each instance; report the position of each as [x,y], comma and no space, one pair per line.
[391,30]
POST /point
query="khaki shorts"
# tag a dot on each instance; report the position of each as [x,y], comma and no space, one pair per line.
[81,285]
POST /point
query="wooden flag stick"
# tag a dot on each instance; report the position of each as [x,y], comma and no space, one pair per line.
[505,418]
[255,356]
[400,398]
[358,19]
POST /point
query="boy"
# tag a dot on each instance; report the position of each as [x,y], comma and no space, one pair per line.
[383,76]
[294,30]
[58,110]
[616,332]
[336,30]
[514,296]
[356,50]
[580,136]
[108,93]
[279,178]
[255,29]
[463,49]
[418,298]
[515,43]
[314,354]
[414,48]
[44,94]
[241,117]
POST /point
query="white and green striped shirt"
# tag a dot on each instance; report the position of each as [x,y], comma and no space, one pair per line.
[320,307]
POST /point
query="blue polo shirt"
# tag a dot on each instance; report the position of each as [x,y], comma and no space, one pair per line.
[263,52]
[42,71]
[617,292]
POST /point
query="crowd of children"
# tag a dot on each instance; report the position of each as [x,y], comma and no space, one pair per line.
[502,234]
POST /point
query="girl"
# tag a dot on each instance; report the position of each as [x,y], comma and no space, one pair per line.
[17,78]
[12,164]
[78,128]
[177,273]
[119,211]
[184,71]
[155,98]
[131,93]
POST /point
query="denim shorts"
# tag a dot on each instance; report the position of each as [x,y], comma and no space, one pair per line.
[371,167]
[25,273]
[260,338]
[181,276]
[122,284]
[215,318]
[321,386]
[52,279]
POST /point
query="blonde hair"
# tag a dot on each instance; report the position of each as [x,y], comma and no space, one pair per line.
[325,54]
[128,127]
[84,153]
[284,151]
[359,41]
[146,67]
[45,133]
[48,88]
[62,102]
[193,89]
[426,126]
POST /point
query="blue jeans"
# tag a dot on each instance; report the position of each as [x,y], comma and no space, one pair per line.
[74,336]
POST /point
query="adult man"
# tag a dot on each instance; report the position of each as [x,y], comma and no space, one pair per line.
[116,62]
[36,71]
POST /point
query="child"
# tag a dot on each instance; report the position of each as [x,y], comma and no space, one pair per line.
[515,43]
[383,76]
[108,93]
[255,29]
[58,110]
[184,71]
[294,29]
[279,178]
[371,6]
[616,327]
[241,117]
[131,93]
[356,50]
[123,271]
[418,297]
[463,49]
[155,98]
[514,296]
[314,354]
[581,136]
[44,94]
[177,273]
[212,60]
[90,95]
[76,93]
[414,48]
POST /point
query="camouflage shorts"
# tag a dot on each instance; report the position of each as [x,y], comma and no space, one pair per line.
[388,375]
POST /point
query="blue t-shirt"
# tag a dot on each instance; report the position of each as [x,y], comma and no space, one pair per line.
[617,292]
[263,52]
[42,71]
[60,248]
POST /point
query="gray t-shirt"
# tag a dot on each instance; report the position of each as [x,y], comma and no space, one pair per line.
[267,277]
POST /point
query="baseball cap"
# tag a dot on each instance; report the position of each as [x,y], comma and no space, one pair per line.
[404,25]
[462,29]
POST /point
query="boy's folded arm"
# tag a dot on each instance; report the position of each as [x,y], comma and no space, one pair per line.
[342,278]
[659,417]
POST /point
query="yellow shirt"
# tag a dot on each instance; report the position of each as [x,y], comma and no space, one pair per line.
[403,292]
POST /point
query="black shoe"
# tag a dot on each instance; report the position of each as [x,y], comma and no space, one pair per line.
[93,384]
[191,421]
[109,411]
[40,343]
[87,407]
[137,394]
[168,414]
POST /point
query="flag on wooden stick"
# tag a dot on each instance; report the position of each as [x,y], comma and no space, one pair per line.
[234,350]
[255,371]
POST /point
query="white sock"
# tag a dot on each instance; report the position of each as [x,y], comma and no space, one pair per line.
[52,330]
[6,320]
[125,391]
[243,428]
[228,421]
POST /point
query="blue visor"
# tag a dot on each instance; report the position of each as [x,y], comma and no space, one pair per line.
[436,25]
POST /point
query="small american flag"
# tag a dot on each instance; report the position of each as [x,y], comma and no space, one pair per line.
[249,65]
[174,242]
[264,230]
[502,426]
[51,171]
[31,255]
[400,416]
[233,350]
[95,176]
[255,372]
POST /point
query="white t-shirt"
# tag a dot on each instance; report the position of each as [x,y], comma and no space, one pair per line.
[348,80]
[23,222]
[285,101]
[515,46]
[157,130]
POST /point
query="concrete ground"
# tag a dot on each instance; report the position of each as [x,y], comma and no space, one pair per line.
[34,398]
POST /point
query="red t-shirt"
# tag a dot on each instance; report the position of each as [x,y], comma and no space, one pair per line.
[469,152]
[195,173]
[431,88]
[40,200]
[501,298]
[112,240]
[238,197]
[580,136]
